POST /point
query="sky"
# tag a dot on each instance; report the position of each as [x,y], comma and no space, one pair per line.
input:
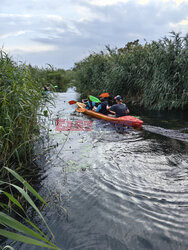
[63,32]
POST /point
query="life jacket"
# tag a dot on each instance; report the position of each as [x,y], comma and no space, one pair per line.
[103,109]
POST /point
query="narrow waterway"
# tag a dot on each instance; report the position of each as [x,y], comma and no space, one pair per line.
[111,189]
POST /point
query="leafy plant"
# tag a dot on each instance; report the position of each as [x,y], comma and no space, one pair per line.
[26,232]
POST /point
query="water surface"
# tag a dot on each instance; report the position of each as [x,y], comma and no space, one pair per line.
[111,189]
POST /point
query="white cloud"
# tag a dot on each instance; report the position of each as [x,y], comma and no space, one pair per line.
[172,2]
[180,24]
[105,2]
[12,34]
[3,15]
[47,31]
[86,14]
[54,18]
[184,22]
[31,48]
[177,2]
[143,2]
[73,29]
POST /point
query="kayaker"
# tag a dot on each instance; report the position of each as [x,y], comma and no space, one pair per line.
[45,90]
[89,104]
[120,108]
[102,107]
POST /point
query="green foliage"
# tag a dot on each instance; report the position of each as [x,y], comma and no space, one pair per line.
[56,79]
[26,232]
[153,75]
[89,73]
[20,97]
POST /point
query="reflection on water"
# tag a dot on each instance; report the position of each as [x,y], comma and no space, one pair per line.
[112,190]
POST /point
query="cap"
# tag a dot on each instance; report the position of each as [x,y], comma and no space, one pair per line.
[118,98]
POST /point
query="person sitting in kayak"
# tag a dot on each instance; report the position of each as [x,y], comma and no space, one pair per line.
[45,90]
[120,108]
[102,107]
[89,104]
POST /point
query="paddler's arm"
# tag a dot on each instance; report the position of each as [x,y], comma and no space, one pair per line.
[112,112]
[98,108]
[84,101]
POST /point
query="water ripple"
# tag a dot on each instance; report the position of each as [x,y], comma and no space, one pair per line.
[122,189]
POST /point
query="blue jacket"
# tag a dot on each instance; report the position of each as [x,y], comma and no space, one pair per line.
[102,108]
[88,106]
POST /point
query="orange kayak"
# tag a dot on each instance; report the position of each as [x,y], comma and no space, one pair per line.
[124,120]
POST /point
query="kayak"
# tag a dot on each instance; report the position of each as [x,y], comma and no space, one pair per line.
[124,120]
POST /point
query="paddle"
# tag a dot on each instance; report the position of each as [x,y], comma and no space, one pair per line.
[103,95]
[94,99]
[72,102]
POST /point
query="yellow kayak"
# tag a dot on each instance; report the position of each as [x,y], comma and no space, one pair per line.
[124,120]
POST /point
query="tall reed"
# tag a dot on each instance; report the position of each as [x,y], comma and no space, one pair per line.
[56,79]
[153,75]
[20,97]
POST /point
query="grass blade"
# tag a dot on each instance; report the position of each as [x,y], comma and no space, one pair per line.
[26,184]
[30,201]
[14,201]
[25,239]
[9,221]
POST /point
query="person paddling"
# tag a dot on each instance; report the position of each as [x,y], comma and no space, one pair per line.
[102,107]
[120,108]
[89,104]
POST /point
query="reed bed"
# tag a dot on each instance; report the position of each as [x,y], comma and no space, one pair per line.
[20,99]
[57,79]
[153,75]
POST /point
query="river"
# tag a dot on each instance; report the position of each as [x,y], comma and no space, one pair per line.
[111,189]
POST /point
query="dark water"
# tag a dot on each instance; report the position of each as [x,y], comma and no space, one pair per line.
[117,190]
